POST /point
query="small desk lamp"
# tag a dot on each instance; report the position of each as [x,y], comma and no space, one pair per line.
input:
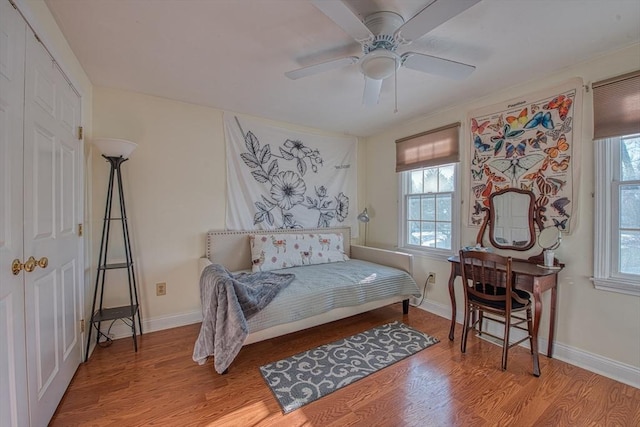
[364,217]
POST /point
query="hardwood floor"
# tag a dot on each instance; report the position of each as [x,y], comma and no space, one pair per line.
[160,385]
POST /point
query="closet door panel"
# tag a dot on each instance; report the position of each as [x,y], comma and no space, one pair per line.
[41,182]
[51,184]
[46,332]
[69,204]
[40,207]
[69,283]
[13,370]
[68,172]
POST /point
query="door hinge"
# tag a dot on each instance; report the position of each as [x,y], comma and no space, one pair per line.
[81,325]
[80,230]
[80,132]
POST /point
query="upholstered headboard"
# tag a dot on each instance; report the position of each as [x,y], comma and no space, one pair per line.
[231,248]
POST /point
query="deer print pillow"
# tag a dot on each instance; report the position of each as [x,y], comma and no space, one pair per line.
[275,251]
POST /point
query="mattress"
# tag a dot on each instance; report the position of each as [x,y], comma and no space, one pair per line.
[320,288]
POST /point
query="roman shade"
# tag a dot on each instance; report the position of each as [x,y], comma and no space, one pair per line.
[616,106]
[434,147]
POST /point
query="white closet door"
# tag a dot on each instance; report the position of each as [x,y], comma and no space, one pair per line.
[13,371]
[52,200]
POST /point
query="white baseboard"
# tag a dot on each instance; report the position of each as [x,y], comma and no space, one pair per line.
[610,368]
[441,310]
[120,330]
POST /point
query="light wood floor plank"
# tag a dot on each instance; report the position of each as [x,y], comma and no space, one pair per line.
[160,385]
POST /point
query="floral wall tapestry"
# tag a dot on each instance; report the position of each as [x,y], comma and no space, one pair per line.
[279,178]
[529,143]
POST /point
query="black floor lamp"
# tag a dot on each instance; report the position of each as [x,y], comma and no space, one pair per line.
[116,152]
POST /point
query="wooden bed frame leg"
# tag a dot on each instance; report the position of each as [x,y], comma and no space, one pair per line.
[405,306]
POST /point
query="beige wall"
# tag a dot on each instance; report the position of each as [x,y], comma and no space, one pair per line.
[175,188]
[603,323]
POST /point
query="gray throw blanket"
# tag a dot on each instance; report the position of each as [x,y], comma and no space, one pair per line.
[228,301]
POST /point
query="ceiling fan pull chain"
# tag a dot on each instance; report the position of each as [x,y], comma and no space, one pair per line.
[395,89]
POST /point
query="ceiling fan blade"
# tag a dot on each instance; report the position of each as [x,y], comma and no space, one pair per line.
[437,13]
[372,89]
[321,67]
[340,13]
[438,66]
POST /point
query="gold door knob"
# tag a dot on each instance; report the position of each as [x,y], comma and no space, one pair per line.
[16,266]
[43,262]
[32,263]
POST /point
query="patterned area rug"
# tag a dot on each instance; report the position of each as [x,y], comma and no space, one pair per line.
[310,375]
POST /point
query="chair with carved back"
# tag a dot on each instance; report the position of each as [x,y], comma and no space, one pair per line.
[489,288]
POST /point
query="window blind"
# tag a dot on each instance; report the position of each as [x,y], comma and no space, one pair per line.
[616,106]
[434,147]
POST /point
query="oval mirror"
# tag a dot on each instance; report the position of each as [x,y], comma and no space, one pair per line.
[550,238]
[511,219]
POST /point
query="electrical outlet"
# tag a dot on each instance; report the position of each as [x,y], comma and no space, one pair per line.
[432,277]
[161,289]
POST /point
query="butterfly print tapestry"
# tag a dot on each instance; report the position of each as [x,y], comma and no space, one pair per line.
[530,143]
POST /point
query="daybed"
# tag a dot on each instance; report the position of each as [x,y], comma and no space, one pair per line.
[320,293]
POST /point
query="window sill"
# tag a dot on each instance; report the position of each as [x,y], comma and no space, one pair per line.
[438,255]
[623,286]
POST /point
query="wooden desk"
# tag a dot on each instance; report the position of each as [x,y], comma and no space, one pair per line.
[530,278]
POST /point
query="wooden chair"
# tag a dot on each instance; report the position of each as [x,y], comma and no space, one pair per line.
[489,289]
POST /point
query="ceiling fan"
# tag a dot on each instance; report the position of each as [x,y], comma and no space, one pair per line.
[380,35]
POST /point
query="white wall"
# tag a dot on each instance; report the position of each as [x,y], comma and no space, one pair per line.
[175,189]
[591,322]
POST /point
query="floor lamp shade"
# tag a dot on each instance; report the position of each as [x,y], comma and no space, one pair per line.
[111,147]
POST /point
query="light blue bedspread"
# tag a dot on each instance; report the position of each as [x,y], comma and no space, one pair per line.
[317,289]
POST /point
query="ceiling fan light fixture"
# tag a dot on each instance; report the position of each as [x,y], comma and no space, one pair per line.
[380,64]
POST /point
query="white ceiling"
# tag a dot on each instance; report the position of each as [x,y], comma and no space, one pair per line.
[232,54]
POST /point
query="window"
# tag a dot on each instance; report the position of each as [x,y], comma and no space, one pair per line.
[428,218]
[617,215]
[427,163]
[616,129]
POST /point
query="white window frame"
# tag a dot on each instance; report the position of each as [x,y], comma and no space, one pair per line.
[606,275]
[435,253]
